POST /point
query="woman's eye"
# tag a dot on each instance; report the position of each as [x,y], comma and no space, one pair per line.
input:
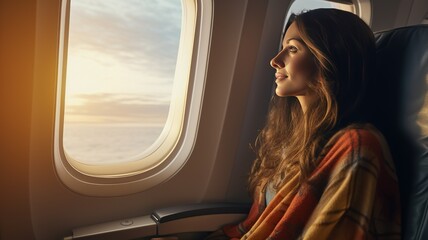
[292,49]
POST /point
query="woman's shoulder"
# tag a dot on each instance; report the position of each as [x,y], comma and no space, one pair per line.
[365,138]
[362,133]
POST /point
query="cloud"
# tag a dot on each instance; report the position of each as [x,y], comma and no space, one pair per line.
[140,33]
[134,42]
[115,108]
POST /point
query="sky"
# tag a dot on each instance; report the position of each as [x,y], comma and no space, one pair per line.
[304,5]
[121,60]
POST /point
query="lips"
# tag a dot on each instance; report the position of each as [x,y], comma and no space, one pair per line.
[280,76]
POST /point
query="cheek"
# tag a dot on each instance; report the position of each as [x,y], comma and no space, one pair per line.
[302,69]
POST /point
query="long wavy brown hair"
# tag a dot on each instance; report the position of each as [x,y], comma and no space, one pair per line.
[291,142]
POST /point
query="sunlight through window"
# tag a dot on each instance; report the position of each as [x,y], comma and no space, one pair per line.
[121,58]
[299,6]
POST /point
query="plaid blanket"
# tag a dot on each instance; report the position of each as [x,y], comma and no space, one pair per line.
[352,194]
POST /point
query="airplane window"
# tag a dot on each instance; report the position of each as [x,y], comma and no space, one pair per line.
[120,66]
[126,73]
[303,5]
[362,8]
[124,77]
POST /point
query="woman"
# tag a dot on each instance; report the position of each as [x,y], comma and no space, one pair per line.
[322,171]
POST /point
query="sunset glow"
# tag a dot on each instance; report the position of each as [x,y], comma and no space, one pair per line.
[121,58]
[121,50]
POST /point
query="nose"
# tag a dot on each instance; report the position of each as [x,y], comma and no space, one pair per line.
[277,62]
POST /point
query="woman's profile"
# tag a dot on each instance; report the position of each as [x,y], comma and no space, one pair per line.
[323,170]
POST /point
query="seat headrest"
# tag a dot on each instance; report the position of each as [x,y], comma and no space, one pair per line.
[402,115]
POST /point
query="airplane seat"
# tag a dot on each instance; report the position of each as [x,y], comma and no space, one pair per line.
[402,116]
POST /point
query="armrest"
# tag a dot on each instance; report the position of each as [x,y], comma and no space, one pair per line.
[178,212]
[198,217]
[166,221]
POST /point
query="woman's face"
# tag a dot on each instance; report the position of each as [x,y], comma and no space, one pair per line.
[294,66]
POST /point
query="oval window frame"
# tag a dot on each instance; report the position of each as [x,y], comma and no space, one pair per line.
[172,149]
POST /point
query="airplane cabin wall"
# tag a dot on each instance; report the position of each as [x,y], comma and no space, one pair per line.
[388,14]
[17,31]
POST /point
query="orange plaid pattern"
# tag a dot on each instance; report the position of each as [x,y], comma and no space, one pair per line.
[352,194]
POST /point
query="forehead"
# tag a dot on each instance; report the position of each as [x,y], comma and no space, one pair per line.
[292,32]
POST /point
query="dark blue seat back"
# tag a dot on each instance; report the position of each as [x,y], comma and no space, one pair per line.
[402,115]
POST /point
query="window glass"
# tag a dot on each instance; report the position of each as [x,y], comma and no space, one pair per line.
[303,5]
[120,66]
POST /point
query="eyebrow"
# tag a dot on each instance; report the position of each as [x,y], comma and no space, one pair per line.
[296,39]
